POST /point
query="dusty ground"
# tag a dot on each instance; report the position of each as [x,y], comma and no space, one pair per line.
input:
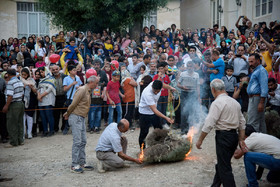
[46,162]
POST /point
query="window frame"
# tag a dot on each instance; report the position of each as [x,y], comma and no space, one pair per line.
[260,8]
[32,8]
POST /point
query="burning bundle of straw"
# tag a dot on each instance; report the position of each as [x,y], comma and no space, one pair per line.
[165,147]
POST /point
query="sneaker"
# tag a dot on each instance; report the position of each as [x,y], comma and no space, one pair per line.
[35,134]
[91,131]
[30,136]
[4,140]
[77,169]
[87,167]
[100,167]
[165,126]
[50,134]
[45,134]
[65,131]
[97,130]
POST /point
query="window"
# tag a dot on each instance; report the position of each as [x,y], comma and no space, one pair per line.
[263,7]
[31,20]
[150,19]
[216,15]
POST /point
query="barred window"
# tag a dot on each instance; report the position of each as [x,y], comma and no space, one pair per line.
[31,20]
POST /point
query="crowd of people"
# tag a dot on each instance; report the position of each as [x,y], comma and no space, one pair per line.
[40,75]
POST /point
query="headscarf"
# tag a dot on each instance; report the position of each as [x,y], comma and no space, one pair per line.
[125,75]
[48,81]
[27,89]
[3,74]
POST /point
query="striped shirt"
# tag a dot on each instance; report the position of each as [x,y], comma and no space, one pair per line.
[15,89]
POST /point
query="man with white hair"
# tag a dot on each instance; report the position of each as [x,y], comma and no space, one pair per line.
[76,114]
[226,117]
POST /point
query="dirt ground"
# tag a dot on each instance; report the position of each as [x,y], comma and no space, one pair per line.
[46,162]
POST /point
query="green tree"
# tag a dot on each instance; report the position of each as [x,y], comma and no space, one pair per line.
[96,15]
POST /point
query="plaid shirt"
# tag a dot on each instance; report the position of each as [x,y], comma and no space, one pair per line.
[15,89]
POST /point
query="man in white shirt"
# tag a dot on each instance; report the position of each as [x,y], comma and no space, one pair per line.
[148,109]
[274,94]
[263,150]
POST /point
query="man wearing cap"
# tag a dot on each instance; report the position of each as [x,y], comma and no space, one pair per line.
[14,108]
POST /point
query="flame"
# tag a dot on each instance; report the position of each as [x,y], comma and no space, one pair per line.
[190,138]
[141,155]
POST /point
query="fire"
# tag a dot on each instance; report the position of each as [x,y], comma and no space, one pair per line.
[190,138]
[141,155]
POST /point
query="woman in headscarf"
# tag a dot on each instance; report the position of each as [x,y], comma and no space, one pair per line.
[29,100]
[46,100]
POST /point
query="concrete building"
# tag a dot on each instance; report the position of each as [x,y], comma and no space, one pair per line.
[23,18]
[205,13]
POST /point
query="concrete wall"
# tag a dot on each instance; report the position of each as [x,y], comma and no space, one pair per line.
[8,19]
[195,14]
[169,15]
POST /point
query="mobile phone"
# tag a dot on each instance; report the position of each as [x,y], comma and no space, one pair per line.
[238,55]
[242,16]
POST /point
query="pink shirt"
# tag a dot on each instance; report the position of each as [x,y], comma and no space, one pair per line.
[38,65]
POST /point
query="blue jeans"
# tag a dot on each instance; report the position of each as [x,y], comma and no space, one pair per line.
[251,159]
[94,116]
[111,113]
[47,118]
[161,106]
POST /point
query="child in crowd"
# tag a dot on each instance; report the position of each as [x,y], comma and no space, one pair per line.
[40,62]
[229,80]
[113,96]
[29,100]
[14,64]
[71,53]
[162,102]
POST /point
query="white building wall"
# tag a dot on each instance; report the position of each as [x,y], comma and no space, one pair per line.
[8,19]
[195,14]
[169,15]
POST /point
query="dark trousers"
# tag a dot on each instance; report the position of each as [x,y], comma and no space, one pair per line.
[3,127]
[15,123]
[59,103]
[37,124]
[161,106]
[129,111]
[226,143]
[105,111]
[145,121]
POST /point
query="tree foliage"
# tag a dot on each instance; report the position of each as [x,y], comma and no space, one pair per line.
[98,14]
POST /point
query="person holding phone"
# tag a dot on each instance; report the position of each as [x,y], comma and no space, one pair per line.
[244,26]
[239,62]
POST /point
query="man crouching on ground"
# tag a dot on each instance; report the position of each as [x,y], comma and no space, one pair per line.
[111,142]
[76,114]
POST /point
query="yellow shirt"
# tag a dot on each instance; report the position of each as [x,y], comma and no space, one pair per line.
[268,61]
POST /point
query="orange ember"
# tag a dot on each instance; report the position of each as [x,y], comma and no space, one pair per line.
[141,155]
[190,138]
